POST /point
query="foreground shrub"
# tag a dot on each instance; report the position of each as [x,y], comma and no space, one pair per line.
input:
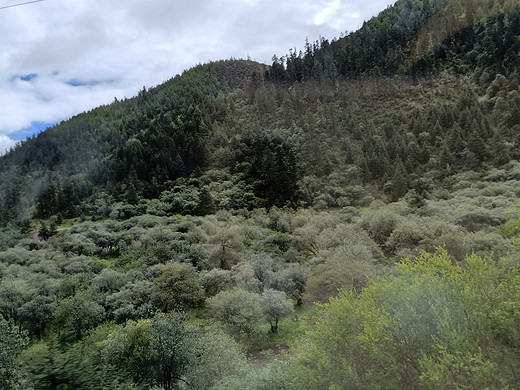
[432,325]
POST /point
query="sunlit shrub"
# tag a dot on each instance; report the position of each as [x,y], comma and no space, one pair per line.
[216,280]
[338,273]
[474,219]
[407,234]
[482,243]
[380,224]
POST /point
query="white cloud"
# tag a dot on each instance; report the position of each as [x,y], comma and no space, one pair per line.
[327,13]
[118,46]
[6,143]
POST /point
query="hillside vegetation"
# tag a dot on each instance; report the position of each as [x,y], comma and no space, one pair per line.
[180,239]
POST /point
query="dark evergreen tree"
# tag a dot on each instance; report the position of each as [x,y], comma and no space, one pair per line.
[399,181]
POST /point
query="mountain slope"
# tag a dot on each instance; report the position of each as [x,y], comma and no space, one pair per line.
[412,31]
[103,146]
[325,128]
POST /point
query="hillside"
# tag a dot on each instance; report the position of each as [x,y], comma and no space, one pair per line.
[215,116]
[91,151]
[180,239]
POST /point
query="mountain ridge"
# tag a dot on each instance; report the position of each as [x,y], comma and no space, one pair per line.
[139,147]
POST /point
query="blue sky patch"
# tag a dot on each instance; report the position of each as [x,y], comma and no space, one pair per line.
[84,83]
[35,128]
[28,77]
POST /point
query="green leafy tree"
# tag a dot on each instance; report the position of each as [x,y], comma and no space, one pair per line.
[127,350]
[220,356]
[14,293]
[216,280]
[79,313]
[292,280]
[132,302]
[380,224]
[49,368]
[173,349]
[334,274]
[432,324]
[241,312]
[178,287]
[37,314]
[11,344]
[276,306]
[156,352]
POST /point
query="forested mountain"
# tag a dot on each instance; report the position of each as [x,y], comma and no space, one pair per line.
[440,77]
[149,242]
[158,135]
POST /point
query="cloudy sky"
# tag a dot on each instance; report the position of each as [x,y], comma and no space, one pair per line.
[63,57]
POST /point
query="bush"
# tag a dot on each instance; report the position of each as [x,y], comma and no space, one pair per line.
[216,280]
[335,274]
[431,325]
[407,234]
[177,287]
[512,227]
[380,224]
[483,243]
[241,312]
[475,219]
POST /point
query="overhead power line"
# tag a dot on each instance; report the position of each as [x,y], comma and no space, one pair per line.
[18,4]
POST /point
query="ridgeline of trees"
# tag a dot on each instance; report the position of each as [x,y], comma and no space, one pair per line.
[181,238]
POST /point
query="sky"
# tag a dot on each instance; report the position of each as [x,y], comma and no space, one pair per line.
[59,58]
